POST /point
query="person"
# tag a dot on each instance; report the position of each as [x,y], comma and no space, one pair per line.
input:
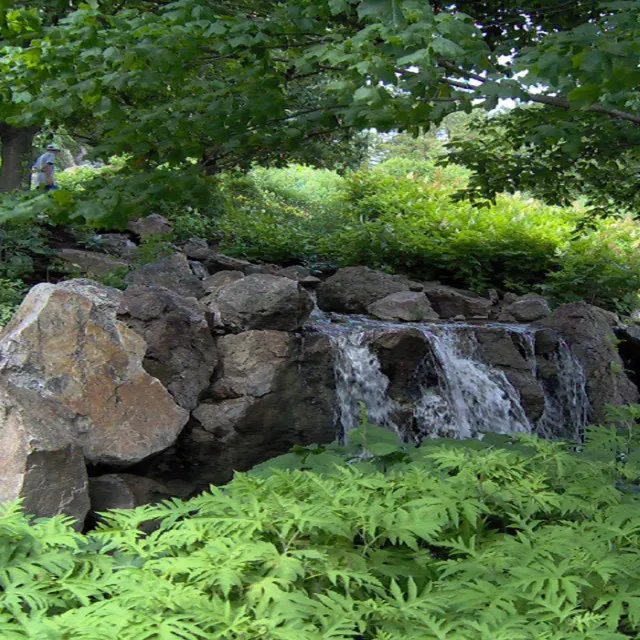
[45,168]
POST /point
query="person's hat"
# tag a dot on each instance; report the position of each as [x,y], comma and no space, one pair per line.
[52,147]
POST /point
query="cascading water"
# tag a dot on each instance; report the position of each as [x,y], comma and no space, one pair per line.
[359,382]
[457,395]
[569,405]
[470,397]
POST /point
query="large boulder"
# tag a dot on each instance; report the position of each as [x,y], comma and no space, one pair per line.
[353,289]
[65,360]
[39,461]
[172,272]
[449,302]
[116,244]
[527,308]
[152,225]
[260,302]
[251,363]
[400,353]
[181,351]
[127,491]
[589,331]
[407,306]
[295,272]
[287,401]
[219,280]
[90,262]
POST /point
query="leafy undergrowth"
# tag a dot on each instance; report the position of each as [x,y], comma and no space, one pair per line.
[504,539]
[400,216]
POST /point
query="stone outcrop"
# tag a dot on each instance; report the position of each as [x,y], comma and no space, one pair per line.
[589,331]
[269,269]
[180,348]
[128,491]
[219,280]
[260,302]
[82,371]
[449,302]
[38,460]
[295,272]
[407,306]
[90,262]
[116,244]
[251,363]
[152,225]
[507,351]
[527,308]
[400,354]
[274,390]
[172,272]
[353,289]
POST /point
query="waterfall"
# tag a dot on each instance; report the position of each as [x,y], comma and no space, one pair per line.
[470,397]
[456,394]
[359,382]
[569,405]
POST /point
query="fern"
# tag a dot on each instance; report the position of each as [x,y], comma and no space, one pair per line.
[508,538]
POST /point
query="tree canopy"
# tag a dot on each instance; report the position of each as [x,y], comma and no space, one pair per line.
[230,83]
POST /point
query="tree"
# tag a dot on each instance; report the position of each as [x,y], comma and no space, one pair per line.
[224,84]
[554,157]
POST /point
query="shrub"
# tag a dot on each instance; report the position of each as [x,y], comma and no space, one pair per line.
[11,294]
[509,538]
[601,267]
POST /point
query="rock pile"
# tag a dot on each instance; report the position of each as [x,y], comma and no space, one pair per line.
[203,366]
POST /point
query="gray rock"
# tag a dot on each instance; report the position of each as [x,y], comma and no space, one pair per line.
[310,282]
[295,272]
[197,249]
[400,353]
[449,302]
[589,331]
[219,262]
[251,363]
[172,272]
[353,289]
[116,244]
[409,306]
[39,461]
[198,269]
[505,350]
[270,269]
[91,262]
[72,383]
[236,434]
[260,302]
[125,491]
[181,351]
[528,308]
[222,418]
[220,279]
[152,225]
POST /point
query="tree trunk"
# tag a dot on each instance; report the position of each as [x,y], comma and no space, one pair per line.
[17,145]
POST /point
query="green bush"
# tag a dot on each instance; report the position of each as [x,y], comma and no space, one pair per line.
[505,539]
[408,224]
[11,294]
[399,216]
[602,267]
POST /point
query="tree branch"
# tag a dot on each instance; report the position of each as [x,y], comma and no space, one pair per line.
[552,101]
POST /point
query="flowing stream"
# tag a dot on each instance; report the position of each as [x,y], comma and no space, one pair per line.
[454,392]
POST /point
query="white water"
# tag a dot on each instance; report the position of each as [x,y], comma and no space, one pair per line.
[359,382]
[569,405]
[470,397]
